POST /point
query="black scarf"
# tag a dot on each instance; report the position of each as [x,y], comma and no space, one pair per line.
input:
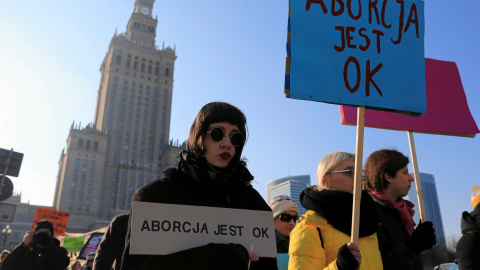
[336,206]
[207,185]
[206,174]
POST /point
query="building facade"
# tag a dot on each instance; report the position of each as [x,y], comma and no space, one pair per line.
[20,222]
[432,207]
[291,186]
[127,145]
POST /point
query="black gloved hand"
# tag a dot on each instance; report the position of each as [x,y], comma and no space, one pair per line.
[423,237]
[345,259]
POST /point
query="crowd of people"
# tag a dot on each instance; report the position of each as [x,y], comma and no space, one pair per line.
[211,172]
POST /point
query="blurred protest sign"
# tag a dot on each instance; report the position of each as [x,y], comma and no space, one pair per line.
[161,229]
[59,219]
[91,245]
[73,244]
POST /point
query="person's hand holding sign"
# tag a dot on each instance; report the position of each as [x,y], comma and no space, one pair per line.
[253,256]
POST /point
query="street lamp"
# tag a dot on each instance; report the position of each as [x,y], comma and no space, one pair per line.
[6,232]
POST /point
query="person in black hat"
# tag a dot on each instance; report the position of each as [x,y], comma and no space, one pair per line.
[39,250]
[468,247]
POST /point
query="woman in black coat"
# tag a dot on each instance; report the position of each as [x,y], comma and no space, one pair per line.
[400,241]
[209,173]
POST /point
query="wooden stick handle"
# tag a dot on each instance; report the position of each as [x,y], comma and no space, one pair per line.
[357,189]
[416,175]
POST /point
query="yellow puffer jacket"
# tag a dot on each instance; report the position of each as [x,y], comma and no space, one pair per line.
[306,250]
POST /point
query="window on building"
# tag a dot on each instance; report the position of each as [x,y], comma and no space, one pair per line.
[87,146]
[80,143]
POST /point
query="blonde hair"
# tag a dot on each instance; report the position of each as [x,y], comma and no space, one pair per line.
[328,162]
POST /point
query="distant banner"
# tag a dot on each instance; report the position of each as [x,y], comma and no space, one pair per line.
[73,244]
[59,219]
[161,229]
[91,245]
[362,53]
[447,111]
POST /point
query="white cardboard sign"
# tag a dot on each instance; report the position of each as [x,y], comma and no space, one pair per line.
[161,229]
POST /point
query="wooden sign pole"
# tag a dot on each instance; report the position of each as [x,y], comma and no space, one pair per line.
[357,189]
[416,174]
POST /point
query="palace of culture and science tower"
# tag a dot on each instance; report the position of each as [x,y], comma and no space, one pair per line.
[127,145]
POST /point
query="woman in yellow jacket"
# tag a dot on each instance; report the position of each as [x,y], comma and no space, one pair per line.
[321,239]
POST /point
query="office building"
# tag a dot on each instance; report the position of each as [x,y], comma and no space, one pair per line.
[291,186]
[18,217]
[432,207]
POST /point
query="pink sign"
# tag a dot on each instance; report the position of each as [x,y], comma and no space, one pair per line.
[447,107]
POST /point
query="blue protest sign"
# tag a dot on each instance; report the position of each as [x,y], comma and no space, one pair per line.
[361,52]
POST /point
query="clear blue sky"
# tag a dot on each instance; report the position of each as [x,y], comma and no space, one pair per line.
[234,51]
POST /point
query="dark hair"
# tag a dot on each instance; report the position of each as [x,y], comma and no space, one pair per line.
[215,112]
[381,162]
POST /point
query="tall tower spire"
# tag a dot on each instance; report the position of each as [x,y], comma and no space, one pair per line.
[128,146]
[142,26]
